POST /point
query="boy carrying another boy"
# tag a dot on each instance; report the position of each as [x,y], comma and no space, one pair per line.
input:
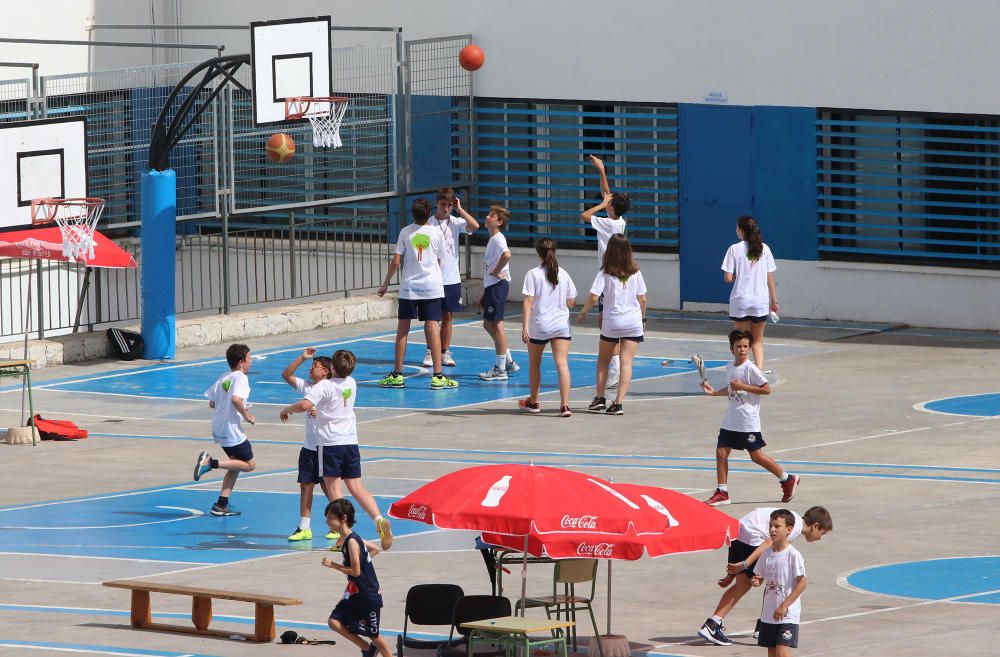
[419,251]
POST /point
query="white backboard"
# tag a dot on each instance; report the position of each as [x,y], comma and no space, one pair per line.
[40,159]
[289,57]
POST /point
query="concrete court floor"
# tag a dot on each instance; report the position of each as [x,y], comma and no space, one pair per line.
[897,481]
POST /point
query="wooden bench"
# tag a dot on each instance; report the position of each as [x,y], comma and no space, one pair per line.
[201,608]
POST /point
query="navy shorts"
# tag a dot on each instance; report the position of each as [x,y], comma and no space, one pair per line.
[632,338]
[739,551]
[342,461]
[548,340]
[751,441]
[241,452]
[778,634]
[753,319]
[426,310]
[494,299]
[452,302]
[358,616]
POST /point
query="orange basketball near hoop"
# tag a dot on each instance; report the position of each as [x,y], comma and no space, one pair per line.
[471,57]
[280,147]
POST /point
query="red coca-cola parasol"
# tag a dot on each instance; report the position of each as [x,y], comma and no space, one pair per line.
[47,244]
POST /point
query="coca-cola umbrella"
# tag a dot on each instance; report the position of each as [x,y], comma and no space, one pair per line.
[532,502]
[693,526]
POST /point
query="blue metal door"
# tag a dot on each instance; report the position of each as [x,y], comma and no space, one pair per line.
[716,188]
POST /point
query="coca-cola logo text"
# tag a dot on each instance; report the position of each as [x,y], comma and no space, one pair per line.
[595,550]
[580,522]
[417,512]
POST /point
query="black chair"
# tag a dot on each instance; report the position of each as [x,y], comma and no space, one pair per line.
[473,608]
[428,604]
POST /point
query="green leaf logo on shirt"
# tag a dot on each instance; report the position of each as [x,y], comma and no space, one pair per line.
[624,280]
[227,384]
[420,241]
[346,394]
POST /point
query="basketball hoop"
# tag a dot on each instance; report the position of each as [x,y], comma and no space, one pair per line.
[324,113]
[77,219]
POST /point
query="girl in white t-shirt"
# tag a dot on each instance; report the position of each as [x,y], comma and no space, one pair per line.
[549,293]
[624,291]
[748,265]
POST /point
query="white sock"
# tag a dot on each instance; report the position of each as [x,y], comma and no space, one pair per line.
[304,522]
[723,487]
[717,619]
[501,361]
[510,357]
[783,478]
[615,364]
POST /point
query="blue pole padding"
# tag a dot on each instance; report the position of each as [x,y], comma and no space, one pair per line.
[158,263]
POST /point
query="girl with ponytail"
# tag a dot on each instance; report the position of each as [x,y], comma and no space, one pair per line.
[549,293]
[748,265]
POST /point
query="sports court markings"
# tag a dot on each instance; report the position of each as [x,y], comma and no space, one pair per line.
[973,580]
[47,646]
[985,405]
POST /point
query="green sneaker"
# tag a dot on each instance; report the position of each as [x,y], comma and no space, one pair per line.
[301,535]
[384,532]
[441,382]
[392,380]
[333,536]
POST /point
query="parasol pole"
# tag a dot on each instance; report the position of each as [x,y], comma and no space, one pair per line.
[524,575]
[609,596]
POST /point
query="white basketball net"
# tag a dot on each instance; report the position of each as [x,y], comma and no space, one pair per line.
[77,219]
[324,115]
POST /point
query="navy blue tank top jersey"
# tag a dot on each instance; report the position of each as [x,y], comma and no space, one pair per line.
[365,585]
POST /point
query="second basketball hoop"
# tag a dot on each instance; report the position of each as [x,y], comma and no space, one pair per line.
[324,114]
[77,219]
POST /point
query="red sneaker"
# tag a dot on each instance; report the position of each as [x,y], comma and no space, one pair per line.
[719,498]
[788,487]
[565,412]
[529,406]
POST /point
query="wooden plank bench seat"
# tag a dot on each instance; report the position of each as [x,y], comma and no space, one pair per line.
[201,608]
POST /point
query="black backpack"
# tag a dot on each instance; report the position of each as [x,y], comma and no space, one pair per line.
[127,345]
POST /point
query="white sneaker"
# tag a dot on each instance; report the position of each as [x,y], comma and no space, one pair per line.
[511,367]
[428,359]
[613,376]
[493,374]
[447,359]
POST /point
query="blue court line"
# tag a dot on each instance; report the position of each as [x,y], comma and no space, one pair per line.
[973,579]
[103,650]
[631,457]
[985,405]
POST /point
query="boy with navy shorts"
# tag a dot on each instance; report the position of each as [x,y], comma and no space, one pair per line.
[227,398]
[782,571]
[741,423]
[331,453]
[419,251]
[496,284]
[358,614]
[451,228]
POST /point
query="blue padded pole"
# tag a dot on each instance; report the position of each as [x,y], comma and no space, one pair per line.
[159,227]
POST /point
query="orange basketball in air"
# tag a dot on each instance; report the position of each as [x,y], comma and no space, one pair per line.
[280,147]
[471,57]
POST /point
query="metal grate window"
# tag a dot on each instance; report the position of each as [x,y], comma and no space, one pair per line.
[909,188]
[532,158]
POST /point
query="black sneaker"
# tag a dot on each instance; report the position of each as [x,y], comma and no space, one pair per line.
[614,409]
[229,510]
[712,632]
[370,651]
[597,405]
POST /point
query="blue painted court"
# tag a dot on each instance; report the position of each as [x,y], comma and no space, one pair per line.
[173,524]
[189,380]
[966,579]
[987,405]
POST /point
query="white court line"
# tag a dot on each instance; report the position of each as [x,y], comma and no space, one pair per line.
[882,435]
[83,556]
[194,514]
[922,406]
[89,651]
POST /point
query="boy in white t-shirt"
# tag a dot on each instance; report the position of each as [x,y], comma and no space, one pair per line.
[744,552]
[227,398]
[332,426]
[614,205]
[782,571]
[496,284]
[741,423]
[419,251]
[451,228]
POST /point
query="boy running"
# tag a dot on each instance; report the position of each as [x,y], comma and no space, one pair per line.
[227,398]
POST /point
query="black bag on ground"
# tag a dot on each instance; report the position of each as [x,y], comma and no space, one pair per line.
[127,345]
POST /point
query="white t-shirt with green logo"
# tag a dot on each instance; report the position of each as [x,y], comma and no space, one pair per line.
[335,422]
[226,429]
[422,249]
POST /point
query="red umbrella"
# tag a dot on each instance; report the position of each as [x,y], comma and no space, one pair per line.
[523,500]
[47,244]
[692,526]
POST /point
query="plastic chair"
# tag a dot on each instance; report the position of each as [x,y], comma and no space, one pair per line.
[428,604]
[568,573]
[473,608]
